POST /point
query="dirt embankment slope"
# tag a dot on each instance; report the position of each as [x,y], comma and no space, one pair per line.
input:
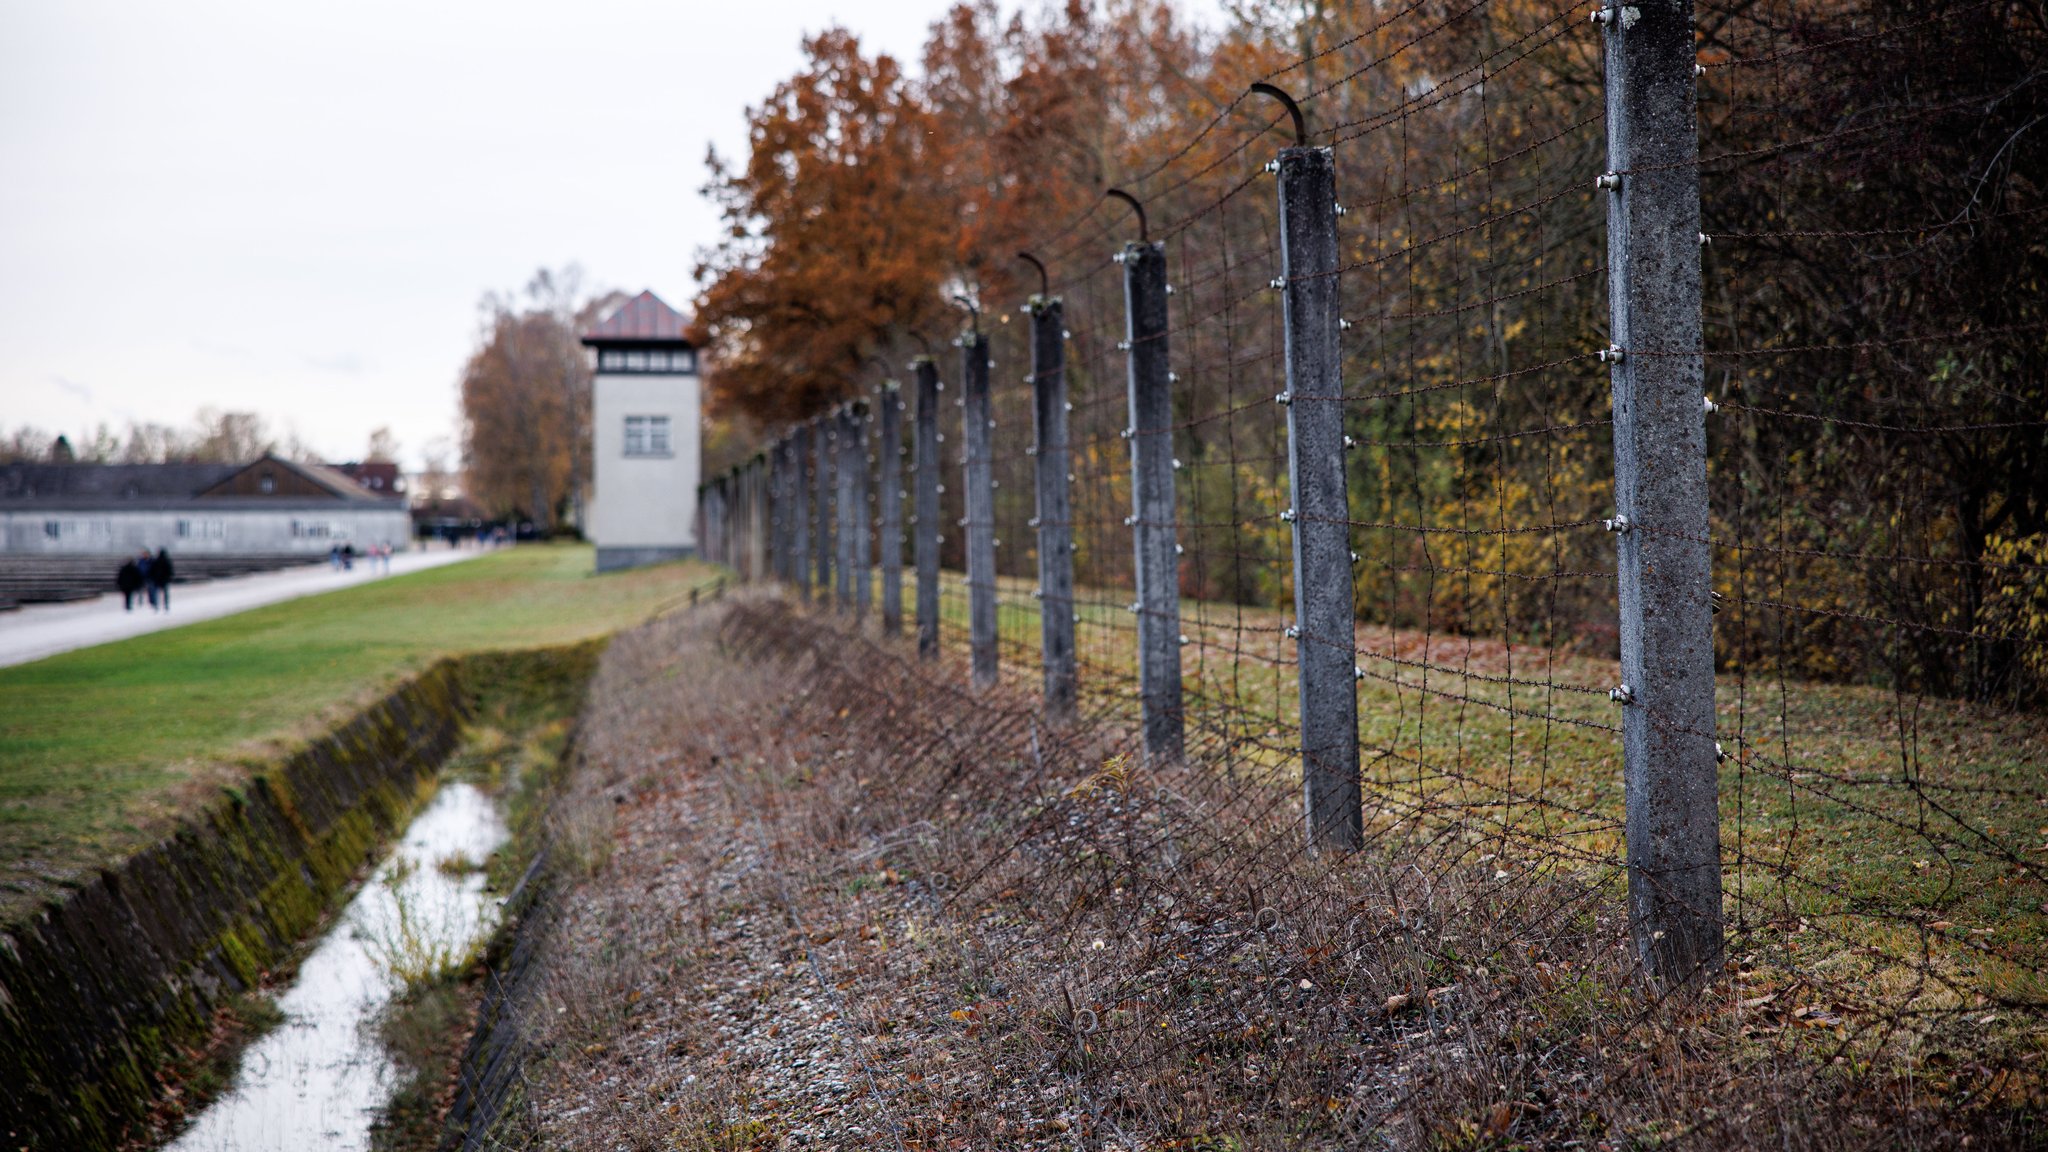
[831,899]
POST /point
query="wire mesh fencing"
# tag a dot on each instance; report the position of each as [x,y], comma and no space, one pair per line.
[1692,460]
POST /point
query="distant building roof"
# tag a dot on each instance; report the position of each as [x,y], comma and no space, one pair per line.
[333,479]
[379,476]
[160,486]
[108,483]
[644,317]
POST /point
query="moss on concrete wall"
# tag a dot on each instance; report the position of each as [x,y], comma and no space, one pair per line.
[99,990]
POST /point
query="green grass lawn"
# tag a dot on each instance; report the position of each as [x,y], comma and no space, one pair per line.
[101,747]
[1897,844]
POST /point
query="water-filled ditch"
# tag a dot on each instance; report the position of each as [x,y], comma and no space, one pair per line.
[321,1077]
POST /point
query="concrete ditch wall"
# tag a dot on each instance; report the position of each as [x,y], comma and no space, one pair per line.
[99,990]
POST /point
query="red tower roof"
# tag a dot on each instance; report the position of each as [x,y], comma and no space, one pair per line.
[644,317]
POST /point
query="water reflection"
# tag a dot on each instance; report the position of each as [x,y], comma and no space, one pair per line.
[319,1079]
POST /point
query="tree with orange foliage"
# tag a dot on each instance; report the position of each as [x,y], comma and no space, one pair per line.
[837,239]
[526,401]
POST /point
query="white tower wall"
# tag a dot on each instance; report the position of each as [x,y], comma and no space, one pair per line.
[643,508]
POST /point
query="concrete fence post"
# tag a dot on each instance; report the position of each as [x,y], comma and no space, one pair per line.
[734,505]
[977,425]
[778,510]
[771,510]
[750,519]
[860,561]
[792,508]
[759,530]
[783,507]
[718,522]
[843,502]
[741,493]
[718,525]
[735,520]
[889,491]
[800,511]
[1669,761]
[1325,635]
[821,544]
[1153,541]
[1055,506]
[925,516]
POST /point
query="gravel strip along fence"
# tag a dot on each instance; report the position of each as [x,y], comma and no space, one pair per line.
[814,894]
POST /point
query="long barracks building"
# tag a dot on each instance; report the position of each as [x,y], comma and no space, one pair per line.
[269,506]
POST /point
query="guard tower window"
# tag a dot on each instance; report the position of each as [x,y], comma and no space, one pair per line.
[676,360]
[267,484]
[647,436]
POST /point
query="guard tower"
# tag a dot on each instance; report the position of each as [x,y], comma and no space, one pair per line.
[646,436]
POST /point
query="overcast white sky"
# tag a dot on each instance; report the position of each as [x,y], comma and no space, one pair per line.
[293,208]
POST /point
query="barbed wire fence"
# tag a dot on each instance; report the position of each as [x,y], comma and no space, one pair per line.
[1633,496]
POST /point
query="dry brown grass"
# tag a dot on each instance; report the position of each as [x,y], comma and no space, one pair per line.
[836,901]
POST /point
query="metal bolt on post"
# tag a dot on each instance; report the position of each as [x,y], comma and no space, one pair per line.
[1152,500]
[1660,494]
[981,507]
[1055,508]
[1326,651]
[889,490]
[926,512]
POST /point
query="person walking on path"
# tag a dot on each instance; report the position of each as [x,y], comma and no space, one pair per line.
[160,572]
[129,581]
[144,562]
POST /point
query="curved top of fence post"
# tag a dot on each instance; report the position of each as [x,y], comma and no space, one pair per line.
[1144,232]
[1293,110]
[1044,282]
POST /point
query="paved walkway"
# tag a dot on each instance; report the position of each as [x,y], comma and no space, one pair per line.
[38,630]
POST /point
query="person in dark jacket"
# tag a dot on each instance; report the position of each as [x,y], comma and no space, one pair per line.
[144,563]
[129,581]
[160,572]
